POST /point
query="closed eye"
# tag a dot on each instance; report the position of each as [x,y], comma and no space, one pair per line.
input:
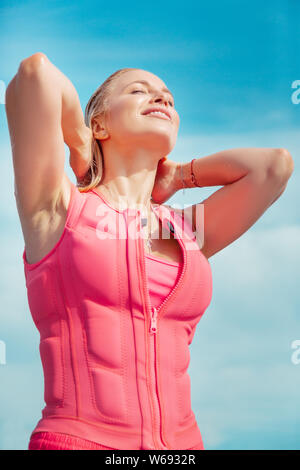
[141,91]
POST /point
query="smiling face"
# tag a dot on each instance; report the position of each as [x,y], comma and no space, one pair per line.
[131,117]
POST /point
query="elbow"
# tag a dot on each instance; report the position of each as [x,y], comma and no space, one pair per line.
[28,67]
[32,63]
[281,165]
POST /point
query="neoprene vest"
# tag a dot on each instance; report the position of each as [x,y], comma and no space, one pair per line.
[116,368]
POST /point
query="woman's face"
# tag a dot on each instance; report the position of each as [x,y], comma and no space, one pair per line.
[128,119]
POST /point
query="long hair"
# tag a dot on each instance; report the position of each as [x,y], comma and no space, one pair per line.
[98,106]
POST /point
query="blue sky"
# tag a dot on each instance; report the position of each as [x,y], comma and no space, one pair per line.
[230,66]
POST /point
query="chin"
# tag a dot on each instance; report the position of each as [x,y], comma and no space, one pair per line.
[154,137]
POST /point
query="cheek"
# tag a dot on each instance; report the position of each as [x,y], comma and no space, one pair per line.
[176,123]
[122,113]
[177,119]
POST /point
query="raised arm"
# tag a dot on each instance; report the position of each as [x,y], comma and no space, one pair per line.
[252,179]
[43,111]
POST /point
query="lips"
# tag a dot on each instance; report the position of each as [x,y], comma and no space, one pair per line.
[164,111]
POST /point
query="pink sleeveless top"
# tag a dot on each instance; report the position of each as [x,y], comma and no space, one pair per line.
[162,276]
[116,367]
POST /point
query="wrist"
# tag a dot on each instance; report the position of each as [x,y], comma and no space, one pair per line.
[184,175]
[179,177]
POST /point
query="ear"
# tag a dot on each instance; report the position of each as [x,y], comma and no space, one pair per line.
[99,132]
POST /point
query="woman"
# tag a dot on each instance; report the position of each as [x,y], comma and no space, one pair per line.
[116,280]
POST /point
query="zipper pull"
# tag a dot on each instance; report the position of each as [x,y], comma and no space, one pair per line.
[153,325]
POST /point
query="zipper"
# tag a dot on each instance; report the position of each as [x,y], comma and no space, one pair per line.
[153,333]
[157,409]
[152,342]
[153,323]
[151,350]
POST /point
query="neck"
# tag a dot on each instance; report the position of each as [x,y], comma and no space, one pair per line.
[129,175]
[122,202]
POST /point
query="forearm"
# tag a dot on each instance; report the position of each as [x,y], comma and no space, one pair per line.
[71,115]
[73,125]
[225,167]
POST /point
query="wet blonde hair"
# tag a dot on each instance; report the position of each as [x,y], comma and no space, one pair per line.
[97,106]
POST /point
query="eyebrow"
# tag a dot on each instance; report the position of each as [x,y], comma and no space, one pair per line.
[147,83]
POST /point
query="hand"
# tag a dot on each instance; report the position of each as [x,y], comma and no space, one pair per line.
[81,155]
[166,181]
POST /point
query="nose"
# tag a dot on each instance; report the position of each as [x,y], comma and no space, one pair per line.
[161,98]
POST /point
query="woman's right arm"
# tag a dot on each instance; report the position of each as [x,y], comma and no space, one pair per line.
[43,111]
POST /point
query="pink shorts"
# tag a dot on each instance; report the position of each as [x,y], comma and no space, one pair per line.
[59,441]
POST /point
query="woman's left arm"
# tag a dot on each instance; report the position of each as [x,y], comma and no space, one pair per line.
[253,179]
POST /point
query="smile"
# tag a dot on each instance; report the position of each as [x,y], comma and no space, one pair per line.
[158,114]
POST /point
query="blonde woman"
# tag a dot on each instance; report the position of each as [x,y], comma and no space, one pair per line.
[116,282]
